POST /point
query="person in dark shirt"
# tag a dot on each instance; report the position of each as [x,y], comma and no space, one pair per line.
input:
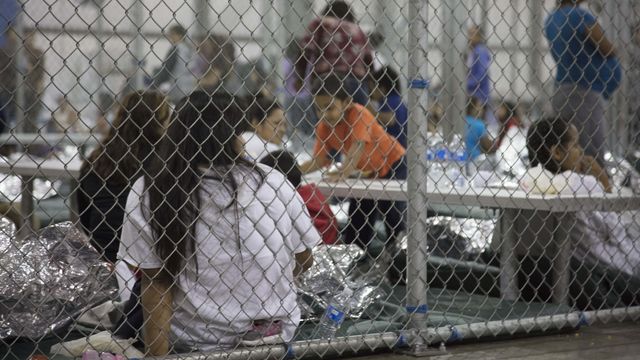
[107,174]
[392,113]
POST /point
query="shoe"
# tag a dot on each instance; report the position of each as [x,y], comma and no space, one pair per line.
[263,332]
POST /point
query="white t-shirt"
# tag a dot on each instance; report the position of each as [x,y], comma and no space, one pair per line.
[256,148]
[597,237]
[240,278]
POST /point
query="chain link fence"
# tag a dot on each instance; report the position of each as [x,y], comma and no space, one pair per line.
[309,178]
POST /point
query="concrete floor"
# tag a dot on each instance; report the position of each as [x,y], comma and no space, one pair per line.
[611,341]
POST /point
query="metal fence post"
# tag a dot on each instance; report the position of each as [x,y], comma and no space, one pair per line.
[417,179]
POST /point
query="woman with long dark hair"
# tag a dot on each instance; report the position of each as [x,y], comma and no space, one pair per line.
[111,169]
[218,239]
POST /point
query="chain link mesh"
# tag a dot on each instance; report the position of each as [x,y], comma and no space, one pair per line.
[254,178]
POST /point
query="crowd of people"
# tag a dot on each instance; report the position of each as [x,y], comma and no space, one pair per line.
[193,187]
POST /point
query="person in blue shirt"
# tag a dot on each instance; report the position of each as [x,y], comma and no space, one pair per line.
[478,63]
[476,137]
[588,72]
[391,113]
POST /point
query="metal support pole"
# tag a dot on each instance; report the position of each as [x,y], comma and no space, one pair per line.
[138,43]
[392,25]
[203,17]
[20,68]
[616,19]
[484,16]
[535,56]
[417,180]
[455,69]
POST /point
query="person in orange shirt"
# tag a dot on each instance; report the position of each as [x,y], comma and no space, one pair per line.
[350,129]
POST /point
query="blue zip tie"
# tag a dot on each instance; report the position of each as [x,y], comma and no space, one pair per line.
[290,353]
[402,340]
[420,309]
[419,84]
[455,335]
[582,320]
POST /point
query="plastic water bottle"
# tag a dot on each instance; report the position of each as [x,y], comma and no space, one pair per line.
[457,165]
[334,315]
[437,157]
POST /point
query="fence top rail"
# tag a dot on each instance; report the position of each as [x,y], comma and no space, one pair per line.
[26,139]
[487,197]
[53,168]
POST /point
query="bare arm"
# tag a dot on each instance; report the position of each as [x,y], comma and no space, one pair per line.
[351,159]
[157,301]
[315,164]
[304,260]
[595,33]
[590,166]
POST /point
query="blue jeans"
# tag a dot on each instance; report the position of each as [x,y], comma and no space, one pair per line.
[363,214]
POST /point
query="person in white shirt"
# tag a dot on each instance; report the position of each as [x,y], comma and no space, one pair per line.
[559,166]
[268,128]
[218,240]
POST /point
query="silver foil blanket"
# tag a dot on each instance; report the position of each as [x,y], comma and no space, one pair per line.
[11,187]
[47,280]
[331,272]
[458,238]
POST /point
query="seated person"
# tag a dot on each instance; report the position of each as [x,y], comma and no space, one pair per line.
[508,117]
[110,170]
[391,113]
[218,239]
[477,140]
[349,128]
[598,239]
[323,218]
[268,128]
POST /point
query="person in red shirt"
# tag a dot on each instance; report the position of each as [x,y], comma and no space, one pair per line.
[335,44]
[323,218]
[367,148]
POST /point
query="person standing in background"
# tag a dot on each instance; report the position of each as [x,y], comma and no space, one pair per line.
[634,86]
[8,75]
[174,70]
[299,108]
[335,44]
[588,73]
[33,84]
[478,64]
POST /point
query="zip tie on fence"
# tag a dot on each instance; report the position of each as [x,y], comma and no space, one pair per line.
[402,341]
[420,309]
[582,319]
[419,83]
[455,335]
[290,353]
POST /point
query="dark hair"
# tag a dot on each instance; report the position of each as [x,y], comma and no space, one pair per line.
[261,107]
[220,54]
[512,109]
[339,10]
[472,104]
[543,135]
[203,134]
[330,85]
[178,30]
[387,79]
[376,39]
[135,133]
[286,163]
